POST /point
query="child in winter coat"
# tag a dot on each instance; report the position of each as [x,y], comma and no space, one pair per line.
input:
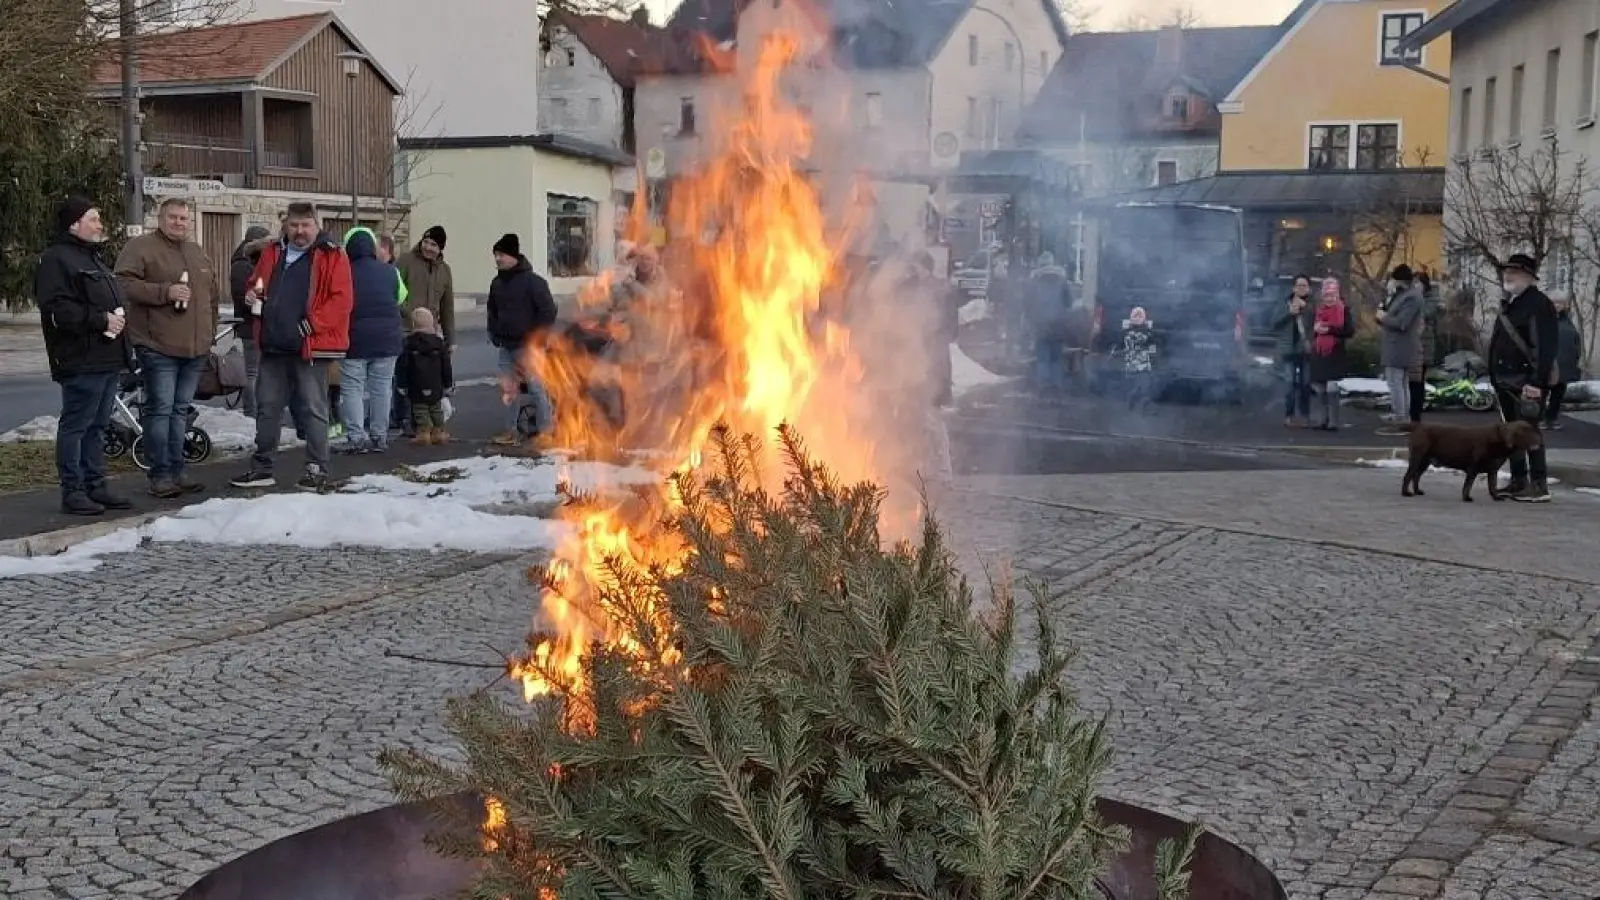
[426,363]
[1138,351]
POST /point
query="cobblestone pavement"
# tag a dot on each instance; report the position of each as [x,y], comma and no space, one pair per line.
[1369,724]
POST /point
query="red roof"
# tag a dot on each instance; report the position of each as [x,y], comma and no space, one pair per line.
[247,51]
[627,48]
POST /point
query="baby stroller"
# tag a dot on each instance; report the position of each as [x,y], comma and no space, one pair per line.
[223,376]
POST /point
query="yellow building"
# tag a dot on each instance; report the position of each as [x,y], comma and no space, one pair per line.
[1334,144]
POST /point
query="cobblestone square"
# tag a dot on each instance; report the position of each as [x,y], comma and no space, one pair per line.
[1357,691]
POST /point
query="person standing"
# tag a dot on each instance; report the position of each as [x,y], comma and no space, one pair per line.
[1417,375]
[172,320]
[426,276]
[1401,342]
[1332,325]
[1569,359]
[426,363]
[1522,360]
[239,269]
[520,307]
[1293,328]
[1049,315]
[83,314]
[301,293]
[366,374]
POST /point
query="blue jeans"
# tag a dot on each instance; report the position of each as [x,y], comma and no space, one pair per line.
[1297,395]
[86,405]
[1049,363]
[366,388]
[169,386]
[544,416]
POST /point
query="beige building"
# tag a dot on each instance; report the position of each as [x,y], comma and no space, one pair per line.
[1524,74]
[554,192]
[900,93]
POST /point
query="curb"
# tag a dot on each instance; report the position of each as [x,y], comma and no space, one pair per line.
[1571,475]
[52,542]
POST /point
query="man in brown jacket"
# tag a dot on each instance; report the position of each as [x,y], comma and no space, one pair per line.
[429,285]
[174,289]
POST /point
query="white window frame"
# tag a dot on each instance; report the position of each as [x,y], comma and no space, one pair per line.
[1383,18]
[1355,139]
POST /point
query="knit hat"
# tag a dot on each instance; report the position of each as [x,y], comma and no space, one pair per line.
[255,233]
[71,211]
[436,234]
[1403,273]
[1522,262]
[509,244]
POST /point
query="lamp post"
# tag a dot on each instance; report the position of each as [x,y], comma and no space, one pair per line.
[352,60]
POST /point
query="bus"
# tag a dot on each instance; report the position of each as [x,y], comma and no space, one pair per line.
[1184,263]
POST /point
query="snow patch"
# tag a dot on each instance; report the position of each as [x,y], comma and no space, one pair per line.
[1364,387]
[974,311]
[231,430]
[1505,476]
[439,508]
[965,374]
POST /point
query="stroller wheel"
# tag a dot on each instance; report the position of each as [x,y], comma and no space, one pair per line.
[116,445]
[141,453]
[196,445]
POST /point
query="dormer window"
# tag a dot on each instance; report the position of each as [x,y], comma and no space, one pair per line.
[1178,107]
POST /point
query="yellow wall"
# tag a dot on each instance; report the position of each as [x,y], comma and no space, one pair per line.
[1327,71]
[480,194]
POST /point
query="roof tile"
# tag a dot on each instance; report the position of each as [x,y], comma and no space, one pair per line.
[237,52]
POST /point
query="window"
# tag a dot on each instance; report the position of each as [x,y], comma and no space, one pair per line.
[571,229]
[1514,126]
[1488,112]
[1178,107]
[558,112]
[1552,86]
[1394,27]
[972,49]
[996,110]
[874,110]
[1166,171]
[1464,123]
[686,115]
[1591,71]
[572,57]
[592,112]
[1378,146]
[972,117]
[1330,147]
[1011,53]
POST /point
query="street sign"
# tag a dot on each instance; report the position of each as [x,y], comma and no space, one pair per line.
[182,187]
[655,163]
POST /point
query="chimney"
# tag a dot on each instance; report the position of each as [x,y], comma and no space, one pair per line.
[640,16]
[1169,48]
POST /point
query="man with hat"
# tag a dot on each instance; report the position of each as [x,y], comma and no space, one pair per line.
[1522,357]
[1401,343]
[84,316]
[520,307]
[430,285]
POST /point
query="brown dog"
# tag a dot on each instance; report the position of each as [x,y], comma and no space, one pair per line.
[1475,451]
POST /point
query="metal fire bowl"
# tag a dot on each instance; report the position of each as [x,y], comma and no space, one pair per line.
[380,855]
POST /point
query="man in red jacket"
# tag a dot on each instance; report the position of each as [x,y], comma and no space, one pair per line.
[300,295]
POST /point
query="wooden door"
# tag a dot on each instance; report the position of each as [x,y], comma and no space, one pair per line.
[219,234]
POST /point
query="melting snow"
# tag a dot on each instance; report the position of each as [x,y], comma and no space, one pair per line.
[965,374]
[231,430]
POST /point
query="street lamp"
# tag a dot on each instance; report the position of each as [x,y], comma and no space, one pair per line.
[352,60]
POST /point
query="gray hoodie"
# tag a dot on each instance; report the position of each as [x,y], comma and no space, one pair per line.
[1402,329]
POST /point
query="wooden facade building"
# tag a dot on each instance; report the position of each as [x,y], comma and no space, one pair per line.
[264,105]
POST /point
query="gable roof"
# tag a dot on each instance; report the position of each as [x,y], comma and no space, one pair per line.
[1449,19]
[245,52]
[1108,84]
[867,34]
[1291,24]
[624,47]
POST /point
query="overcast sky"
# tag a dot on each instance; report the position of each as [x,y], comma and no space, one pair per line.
[1212,12]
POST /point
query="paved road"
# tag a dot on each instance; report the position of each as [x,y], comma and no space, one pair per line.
[1352,687]
[24,397]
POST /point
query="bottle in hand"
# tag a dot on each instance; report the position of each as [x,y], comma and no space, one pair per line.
[255,305]
[182,305]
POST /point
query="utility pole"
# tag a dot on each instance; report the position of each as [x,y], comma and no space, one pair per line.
[132,167]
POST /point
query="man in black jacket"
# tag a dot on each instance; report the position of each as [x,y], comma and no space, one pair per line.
[520,307]
[1522,359]
[81,309]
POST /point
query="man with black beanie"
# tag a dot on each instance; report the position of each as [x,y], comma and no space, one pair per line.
[83,314]
[429,285]
[1522,358]
[520,307]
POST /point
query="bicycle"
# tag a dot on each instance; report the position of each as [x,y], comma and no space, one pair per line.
[1461,392]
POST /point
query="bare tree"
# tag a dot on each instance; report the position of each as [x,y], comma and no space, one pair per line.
[414,122]
[1504,201]
[1077,13]
[1158,14]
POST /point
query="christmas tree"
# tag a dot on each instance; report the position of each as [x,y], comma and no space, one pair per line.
[838,720]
